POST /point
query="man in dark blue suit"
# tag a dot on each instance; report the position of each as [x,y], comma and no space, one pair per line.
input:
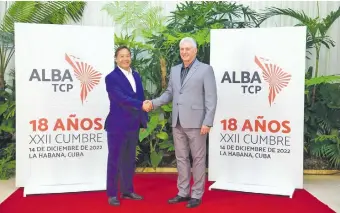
[127,115]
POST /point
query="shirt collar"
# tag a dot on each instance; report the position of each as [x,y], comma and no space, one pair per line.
[190,65]
[125,71]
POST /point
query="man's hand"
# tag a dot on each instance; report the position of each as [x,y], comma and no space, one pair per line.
[205,130]
[147,105]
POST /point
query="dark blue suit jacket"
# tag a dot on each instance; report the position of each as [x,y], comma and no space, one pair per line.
[126,112]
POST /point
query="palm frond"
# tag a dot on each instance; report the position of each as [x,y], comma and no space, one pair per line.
[230,14]
[58,12]
[327,146]
[332,152]
[329,20]
[299,15]
[50,12]
[140,16]
[322,80]
[17,12]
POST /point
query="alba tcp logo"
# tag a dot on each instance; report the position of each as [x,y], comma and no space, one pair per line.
[86,74]
[274,75]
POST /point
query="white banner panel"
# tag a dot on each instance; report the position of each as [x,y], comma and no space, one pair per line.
[256,144]
[61,106]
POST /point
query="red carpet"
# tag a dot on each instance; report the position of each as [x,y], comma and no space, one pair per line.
[157,188]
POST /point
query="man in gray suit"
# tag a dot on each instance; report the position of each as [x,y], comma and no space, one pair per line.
[192,90]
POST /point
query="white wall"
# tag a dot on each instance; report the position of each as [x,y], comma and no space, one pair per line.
[329,59]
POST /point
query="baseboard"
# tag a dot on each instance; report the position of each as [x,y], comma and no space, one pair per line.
[174,170]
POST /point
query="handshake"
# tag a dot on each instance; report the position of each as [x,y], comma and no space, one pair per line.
[147,106]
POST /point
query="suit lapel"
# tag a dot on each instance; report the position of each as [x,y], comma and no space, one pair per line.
[178,77]
[137,82]
[126,81]
[190,73]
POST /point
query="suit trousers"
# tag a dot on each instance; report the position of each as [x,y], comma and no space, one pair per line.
[121,161]
[186,140]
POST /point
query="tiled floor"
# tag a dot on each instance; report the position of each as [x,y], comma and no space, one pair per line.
[325,187]
[7,187]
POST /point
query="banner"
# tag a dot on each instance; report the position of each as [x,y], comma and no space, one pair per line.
[256,144]
[61,106]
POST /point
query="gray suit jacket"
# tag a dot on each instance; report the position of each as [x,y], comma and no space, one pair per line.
[194,103]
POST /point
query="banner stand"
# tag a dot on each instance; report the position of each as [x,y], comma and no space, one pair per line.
[61,106]
[272,190]
[31,188]
[256,143]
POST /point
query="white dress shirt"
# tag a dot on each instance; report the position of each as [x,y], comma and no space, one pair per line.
[129,76]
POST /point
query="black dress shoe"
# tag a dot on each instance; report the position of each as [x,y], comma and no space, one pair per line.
[132,196]
[113,201]
[193,202]
[178,199]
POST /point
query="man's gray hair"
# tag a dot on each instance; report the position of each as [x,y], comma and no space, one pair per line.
[188,39]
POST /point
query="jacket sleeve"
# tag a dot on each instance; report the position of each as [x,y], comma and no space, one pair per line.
[166,97]
[143,98]
[210,92]
[116,94]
